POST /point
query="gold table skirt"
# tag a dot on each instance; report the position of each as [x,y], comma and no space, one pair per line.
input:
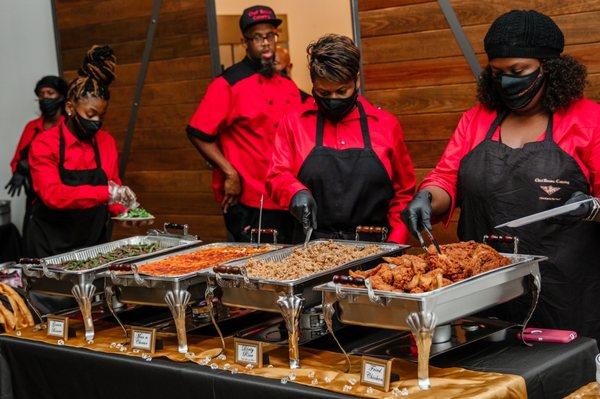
[321,369]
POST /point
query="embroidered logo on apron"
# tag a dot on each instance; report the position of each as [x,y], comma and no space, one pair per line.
[551,188]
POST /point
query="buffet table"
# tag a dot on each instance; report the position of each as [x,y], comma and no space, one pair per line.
[306,287]
[30,369]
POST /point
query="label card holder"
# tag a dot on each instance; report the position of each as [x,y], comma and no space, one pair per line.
[58,326]
[250,352]
[145,339]
[377,372]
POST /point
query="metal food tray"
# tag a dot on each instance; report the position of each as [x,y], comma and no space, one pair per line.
[174,292]
[420,313]
[287,297]
[84,284]
[167,244]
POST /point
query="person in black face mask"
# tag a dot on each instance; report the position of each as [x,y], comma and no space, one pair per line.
[532,144]
[51,92]
[74,168]
[340,162]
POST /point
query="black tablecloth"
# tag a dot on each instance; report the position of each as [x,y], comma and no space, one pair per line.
[549,370]
[10,243]
[36,370]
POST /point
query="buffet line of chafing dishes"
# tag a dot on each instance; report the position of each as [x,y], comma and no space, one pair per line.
[169,270]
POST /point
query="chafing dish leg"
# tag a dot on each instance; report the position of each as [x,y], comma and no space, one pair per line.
[27,289]
[291,308]
[209,296]
[83,293]
[422,325]
[328,313]
[109,296]
[535,285]
[178,301]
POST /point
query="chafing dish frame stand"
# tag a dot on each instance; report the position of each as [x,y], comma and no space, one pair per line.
[84,289]
[422,323]
[177,295]
[289,303]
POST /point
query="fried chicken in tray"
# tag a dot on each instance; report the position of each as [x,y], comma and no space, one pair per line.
[427,272]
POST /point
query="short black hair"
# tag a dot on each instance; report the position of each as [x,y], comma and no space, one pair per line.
[333,57]
[55,82]
[566,79]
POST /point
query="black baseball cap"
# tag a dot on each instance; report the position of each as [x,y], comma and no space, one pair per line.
[258,15]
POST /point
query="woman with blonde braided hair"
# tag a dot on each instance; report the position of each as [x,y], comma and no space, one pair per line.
[74,167]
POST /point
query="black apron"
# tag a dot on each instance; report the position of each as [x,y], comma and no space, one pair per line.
[351,187]
[496,184]
[30,196]
[55,231]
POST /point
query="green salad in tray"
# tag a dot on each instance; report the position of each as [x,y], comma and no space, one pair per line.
[137,213]
[126,251]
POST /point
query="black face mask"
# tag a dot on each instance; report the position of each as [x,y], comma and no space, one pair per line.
[50,106]
[335,109]
[85,129]
[518,91]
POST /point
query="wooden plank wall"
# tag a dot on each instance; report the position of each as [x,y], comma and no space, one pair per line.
[170,178]
[414,68]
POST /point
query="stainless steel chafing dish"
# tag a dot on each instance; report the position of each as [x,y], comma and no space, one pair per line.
[174,292]
[45,275]
[421,313]
[287,297]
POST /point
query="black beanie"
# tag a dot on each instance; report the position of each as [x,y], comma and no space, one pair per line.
[54,82]
[524,34]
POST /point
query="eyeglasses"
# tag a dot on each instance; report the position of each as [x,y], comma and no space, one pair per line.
[271,37]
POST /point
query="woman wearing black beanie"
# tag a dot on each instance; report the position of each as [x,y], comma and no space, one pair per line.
[531,144]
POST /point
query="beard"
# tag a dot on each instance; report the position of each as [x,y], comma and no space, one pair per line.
[268,68]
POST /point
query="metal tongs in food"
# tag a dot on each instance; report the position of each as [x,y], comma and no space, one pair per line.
[431,238]
[308,235]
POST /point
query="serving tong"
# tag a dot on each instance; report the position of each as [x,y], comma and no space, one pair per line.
[431,238]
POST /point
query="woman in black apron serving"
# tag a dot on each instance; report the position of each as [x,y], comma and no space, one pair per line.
[74,168]
[532,144]
[51,92]
[340,162]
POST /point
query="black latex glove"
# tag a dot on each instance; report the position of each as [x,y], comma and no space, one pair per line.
[15,184]
[584,211]
[23,167]
[417,214]
[304,208]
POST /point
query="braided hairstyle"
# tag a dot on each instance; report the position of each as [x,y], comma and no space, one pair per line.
[333,57]
[95,75]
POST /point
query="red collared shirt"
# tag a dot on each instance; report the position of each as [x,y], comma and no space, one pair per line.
[296,139]
[576,130]
[241,111]
[32,129]
[79,155]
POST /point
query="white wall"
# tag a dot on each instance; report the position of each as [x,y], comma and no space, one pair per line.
[28,53]
[307,21]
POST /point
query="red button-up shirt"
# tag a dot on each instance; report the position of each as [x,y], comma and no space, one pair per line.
[79,155]
[31,130]
[576,130]
[296,139]
[241,111]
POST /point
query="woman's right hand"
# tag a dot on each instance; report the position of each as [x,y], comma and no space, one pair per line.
[122,195]
[232,190]
[417,213]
